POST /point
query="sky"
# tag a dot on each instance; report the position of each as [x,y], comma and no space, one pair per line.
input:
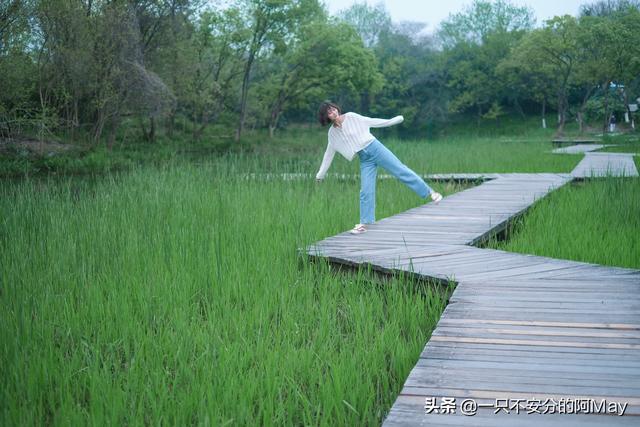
[433,12]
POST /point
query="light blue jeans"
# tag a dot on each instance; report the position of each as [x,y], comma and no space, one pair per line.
[373,155]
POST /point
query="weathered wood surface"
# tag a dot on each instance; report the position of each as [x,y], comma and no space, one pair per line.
[580,148]
[576,141]
[432,177]
[517,326]
[606,164]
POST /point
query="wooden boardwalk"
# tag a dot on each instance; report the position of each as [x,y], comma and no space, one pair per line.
[580,148]
[430,177]
[521,333]
[606,164]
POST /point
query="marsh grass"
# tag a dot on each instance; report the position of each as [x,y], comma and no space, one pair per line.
[302,150]
[595,221]
[174,295]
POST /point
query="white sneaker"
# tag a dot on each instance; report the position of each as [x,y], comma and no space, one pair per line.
[358,229]
[436,197]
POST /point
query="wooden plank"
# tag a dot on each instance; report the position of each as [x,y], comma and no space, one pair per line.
[464,322]
[612,360]
[527,311]
[539,350]
[423,378]
[518,374]
[541,330]
[556,334]
[511,316]
[546,342]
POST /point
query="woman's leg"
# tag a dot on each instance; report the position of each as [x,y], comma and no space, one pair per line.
[385,158]
[368,173]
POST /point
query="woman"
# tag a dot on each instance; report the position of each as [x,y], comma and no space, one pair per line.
[349,134]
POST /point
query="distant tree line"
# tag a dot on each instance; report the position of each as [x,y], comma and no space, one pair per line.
[86,69]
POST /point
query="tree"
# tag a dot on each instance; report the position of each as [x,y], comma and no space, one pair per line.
[91,66]
[475,41]
[414,78]
[369,21]
[630,74]
[609,57]
[483,18]
[219,43]
[529,76]
[325,57]
[18,72]
[604,8]
[269,22]
[555,46]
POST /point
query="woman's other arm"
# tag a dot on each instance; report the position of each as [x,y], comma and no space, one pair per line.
[381,123]
[326,162]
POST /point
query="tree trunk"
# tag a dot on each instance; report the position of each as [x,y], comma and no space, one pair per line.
[171,123]
[143,129]
[561,115]
[583,106]
[276,111]
[273,122]
[580,122]
[152,129]
[148,135]
[76,118]
[605,107]
[98,127]
[627,112]
[113,129]
[243,97]
[519,109]
[544,112]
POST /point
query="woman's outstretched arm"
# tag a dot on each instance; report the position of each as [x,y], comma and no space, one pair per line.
[326,162]
[381,123]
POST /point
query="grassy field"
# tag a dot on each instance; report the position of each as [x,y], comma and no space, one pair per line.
[301,151]
[595,221]
[173,294]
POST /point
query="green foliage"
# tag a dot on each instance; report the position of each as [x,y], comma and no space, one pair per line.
[324,57]
[483,19]
[595,113]
[565,224]
[369,21]
[477,41]
[491,147]
[73,70]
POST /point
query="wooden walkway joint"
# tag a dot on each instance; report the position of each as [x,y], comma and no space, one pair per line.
[520,331]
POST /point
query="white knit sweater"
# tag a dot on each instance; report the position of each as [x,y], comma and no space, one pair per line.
[352,136]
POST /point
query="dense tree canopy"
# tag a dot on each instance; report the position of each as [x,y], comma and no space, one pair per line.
[87,69]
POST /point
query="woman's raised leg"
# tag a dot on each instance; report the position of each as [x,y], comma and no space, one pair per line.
[385,158]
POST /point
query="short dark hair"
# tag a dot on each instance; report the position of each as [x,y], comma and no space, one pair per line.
[322,112]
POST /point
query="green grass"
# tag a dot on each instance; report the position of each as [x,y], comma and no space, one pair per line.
[626,148]
[174,295]
[483,155]
[623,143]
[301,150]
[596,221]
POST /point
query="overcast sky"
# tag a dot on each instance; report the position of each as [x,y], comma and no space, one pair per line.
[433,12]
